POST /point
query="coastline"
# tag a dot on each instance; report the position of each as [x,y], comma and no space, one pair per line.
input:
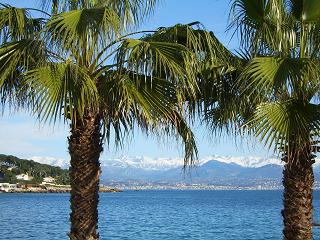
[53,189]
[67,188]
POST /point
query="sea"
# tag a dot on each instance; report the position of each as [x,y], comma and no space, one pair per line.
[144,215]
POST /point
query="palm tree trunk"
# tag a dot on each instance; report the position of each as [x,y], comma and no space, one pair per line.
[85,146]
[298,181]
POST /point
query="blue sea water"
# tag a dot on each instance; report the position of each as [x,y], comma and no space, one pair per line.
[144,215]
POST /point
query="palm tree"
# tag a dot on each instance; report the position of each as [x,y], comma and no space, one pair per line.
[272,92]
[78,63]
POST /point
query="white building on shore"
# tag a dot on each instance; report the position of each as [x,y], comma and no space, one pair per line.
[24,177]
[48,181]
[7,187]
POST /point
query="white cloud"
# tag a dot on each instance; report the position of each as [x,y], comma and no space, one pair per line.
[23,137]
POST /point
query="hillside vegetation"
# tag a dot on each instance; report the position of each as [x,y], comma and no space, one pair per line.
[10,166]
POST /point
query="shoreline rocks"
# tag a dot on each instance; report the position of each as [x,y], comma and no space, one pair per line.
[52,189]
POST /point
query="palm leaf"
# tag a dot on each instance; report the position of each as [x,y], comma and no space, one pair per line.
[269,75]
[130,11]
[264,26]
[193,36]
[15,58]
[73,28]
[282,124]
[166,60]
[21,55]
[16,23]
[311,10]
[128,99]
[61,88]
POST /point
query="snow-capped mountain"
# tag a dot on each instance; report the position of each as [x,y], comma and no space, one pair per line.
[208,169]
[147,163]
[57,162]
[225,170]
[143,162]
[154,164]
[215,170]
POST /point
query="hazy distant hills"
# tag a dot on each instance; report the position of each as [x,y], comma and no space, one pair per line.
[214,170]
[208,172]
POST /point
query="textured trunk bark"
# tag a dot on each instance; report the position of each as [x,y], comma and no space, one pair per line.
[298,182]
[85,146]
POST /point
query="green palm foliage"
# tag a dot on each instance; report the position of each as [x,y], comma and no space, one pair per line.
[273,94]
[78,63]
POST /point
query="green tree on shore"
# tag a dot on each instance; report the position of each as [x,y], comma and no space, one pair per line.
[78,62]
[273,93]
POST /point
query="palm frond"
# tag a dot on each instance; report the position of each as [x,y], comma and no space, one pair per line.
[192,35]
[296,8]
[183,130]
[130,11]
[21,55]
[311,11]
[264,26]
[226,109]
[150,103]
[247,17]
[274,75]
[127,96]
[75,28]
[283,123]
[15,58]
[61,88]
[170,61]
[17,23]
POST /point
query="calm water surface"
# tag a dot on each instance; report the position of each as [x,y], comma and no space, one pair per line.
[144,215]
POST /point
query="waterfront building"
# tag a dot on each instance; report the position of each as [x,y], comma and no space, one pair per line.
[7,187]
[48,181]
[24,177]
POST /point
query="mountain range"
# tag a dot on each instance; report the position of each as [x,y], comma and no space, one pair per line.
[214,170]
[224,171]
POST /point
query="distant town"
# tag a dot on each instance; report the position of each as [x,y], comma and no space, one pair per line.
[137,185]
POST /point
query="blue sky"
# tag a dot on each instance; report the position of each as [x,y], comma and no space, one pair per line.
[22,136]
